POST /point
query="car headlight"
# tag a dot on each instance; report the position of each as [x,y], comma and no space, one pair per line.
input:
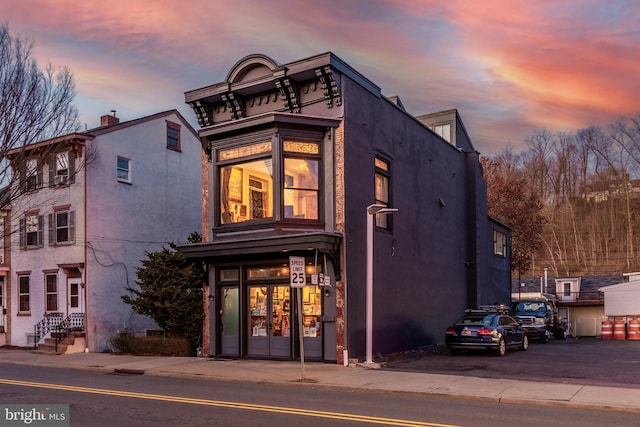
[539,321]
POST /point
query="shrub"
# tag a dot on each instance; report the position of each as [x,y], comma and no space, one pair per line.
[150,346]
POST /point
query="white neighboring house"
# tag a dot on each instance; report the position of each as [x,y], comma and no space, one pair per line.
[96,201]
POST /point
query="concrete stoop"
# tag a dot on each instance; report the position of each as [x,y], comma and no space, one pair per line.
[73,343]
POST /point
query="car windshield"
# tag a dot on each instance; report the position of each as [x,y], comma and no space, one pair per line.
[529,306]
[479,320]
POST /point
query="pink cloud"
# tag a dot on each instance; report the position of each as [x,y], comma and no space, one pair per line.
[509,69]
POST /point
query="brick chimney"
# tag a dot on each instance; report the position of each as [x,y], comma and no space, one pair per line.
[109,119]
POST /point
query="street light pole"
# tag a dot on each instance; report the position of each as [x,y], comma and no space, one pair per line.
[372,210]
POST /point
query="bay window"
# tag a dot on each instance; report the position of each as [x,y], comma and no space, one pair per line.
[246,188]
[276,179]
[301,184]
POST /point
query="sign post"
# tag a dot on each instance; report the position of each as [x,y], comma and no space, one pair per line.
[297,281]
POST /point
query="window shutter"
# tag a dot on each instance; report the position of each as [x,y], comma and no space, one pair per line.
[40,230]
[52,240]
[52,171]
[22,173]
[72,167]
[23,233]
[40,177]
[72,226]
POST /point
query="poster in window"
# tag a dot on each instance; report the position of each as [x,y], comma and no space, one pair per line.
[235,185]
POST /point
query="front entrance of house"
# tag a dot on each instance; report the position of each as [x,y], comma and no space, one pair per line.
[269,323]
[75,300]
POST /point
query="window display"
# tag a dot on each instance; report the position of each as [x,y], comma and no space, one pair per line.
[311,311]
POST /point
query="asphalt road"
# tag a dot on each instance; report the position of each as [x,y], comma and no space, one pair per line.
[589,361]
[98,399]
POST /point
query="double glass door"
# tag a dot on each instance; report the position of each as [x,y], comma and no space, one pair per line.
[269,322]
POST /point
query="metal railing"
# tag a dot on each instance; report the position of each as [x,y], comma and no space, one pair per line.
[49,323]
[58,324]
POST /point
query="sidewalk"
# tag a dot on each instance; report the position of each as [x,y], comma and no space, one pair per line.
[331,375]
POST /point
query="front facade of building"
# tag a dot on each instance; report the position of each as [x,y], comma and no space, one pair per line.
[293,157]
[91,205]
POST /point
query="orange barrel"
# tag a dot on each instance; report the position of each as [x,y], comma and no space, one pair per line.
[607,330]
[619,331]
[634,330]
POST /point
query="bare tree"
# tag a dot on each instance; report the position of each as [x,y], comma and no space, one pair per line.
[35,103]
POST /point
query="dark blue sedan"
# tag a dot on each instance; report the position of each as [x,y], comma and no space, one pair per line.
[486,330]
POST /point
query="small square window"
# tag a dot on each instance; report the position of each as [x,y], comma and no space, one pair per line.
[499,243]
[124,169]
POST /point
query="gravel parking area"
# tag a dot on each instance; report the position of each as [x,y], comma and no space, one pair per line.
[573,361]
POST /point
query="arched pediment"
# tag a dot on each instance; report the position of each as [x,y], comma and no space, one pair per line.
[250,68]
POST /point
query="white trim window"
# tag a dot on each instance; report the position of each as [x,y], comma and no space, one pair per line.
[124,169]
[499,243]
[31,178]
[24,294]
[51,297]
[31,231]
[62,225]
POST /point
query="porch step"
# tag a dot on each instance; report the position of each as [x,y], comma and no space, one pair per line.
[49,344]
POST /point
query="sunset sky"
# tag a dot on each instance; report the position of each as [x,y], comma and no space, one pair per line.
[508,66]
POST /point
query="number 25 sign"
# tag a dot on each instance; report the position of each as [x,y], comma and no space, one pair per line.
[296,271]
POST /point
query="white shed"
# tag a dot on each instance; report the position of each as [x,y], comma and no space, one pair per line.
[622,299]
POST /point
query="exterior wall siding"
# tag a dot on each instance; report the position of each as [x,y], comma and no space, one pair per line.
[115,225]
[162,204]
[434,262]
[420,265]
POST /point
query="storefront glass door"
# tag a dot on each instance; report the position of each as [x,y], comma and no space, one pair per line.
[269,321]
[230,321]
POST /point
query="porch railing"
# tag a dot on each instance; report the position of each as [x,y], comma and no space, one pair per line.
[58,324]
[49,323]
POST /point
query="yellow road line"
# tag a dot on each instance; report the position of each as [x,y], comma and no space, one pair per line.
[223,404]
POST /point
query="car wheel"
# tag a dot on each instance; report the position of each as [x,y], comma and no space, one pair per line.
[502,347]
[561,334]
[525,343]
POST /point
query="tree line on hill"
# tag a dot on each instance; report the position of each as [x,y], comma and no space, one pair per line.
[572,200]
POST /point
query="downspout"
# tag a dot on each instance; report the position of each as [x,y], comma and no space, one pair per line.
[84,273]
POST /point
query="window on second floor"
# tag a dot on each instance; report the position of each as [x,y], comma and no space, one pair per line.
[62,227]
[274,177]
[173,136]
[499,243]
[31,231]
[382,176]
[301,184]
[124,169]
[246,188]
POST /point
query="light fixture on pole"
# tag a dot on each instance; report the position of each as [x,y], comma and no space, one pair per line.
[372,210]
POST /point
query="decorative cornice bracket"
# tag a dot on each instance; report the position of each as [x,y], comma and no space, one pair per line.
[204,113]
[331,85]
[290,93]
[235,104]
